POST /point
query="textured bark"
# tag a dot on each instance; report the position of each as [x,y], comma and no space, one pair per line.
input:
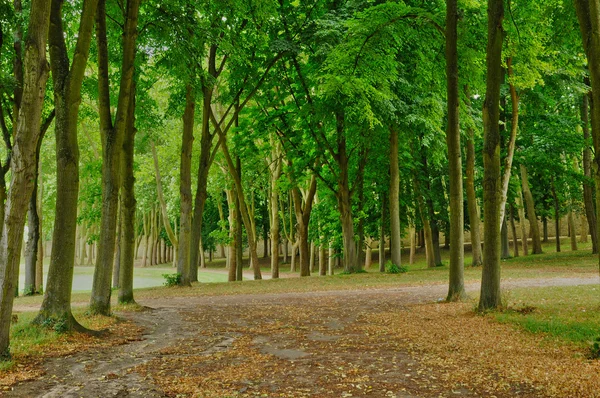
[428,238]
[456,286]
[533,223]
[112,143]
[382,237]
[556,214]
[303,209]
[588,182]
[513,229]
[521,211]
[128,206]
[275,173]
[573,231]
[504,244]
[23,161]
[510,149]
[185,191]
[67,88]
[588,14]
[244,209]
[395,238]
[492,189]
[322,265]
[34,228]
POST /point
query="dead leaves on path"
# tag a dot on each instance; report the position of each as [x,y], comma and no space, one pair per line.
[367,346]
[29,367]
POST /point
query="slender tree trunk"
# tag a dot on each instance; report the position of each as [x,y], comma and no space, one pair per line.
[233,233]
[535,229]
[303,210]
[505,250]
[185,192]
[413,245]
[117,254]
[513,229]
[472,198]
[573,233]
[556,214]
[588,182]
[112,143]
[331,261]
[429,252]
[521,211]
[275,168]
[456,286]
[34,228]
[382,237]
[128,207]
[312,263]
[395,238]
[67,84]
[492,189]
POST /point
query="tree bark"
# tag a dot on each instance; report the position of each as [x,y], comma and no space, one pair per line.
[588,182]
[492,189]
[303,209]
[456,286]
[23,161]
[128,208]
[185,192]
[395,238]
[521,211]
[504,244]
[535,229]
[513,229]
[112,143]
[67,97]
[588,14]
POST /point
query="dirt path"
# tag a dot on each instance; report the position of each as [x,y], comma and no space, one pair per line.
[336,343]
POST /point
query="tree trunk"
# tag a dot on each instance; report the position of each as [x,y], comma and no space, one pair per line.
[472,198]
[535,229]
[206,158]
[456,286]
[185,192]
[413,245]
[513,229]
[588,182]
[572,229]
[303,209]
[588,14]
[233,235]
[112,143]
[275,168]
[521,211]
[23,161]
[556,214]
[117,254]
[312,263]
[382,237]
[331,261]
[504,244]
[492,193]
[429,254]
[128,207]
[395,238]
[67,88]
[584,233]
[34,228]
[545,229]
[322,265]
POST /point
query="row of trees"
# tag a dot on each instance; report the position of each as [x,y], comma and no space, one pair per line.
[321,123]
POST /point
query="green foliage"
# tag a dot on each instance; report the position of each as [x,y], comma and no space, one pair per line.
[172,279]
[392,268]
[59,325]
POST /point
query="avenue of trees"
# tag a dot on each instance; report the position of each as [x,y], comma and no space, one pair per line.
[167,131]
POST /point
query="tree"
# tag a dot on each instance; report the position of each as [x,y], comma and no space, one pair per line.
[67,82]
[112,143]
[26,137]
[492,194]
[456,288]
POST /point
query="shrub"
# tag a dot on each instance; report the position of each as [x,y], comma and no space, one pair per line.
[172,279]
[392,268]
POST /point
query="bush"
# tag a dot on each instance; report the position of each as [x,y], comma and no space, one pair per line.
[392,268]
[172,279]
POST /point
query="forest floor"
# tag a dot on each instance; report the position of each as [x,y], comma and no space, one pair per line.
[379,342]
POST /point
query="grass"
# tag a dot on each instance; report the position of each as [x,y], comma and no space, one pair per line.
[570,313]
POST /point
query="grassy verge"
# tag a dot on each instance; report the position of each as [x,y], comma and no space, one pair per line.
[567,313]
